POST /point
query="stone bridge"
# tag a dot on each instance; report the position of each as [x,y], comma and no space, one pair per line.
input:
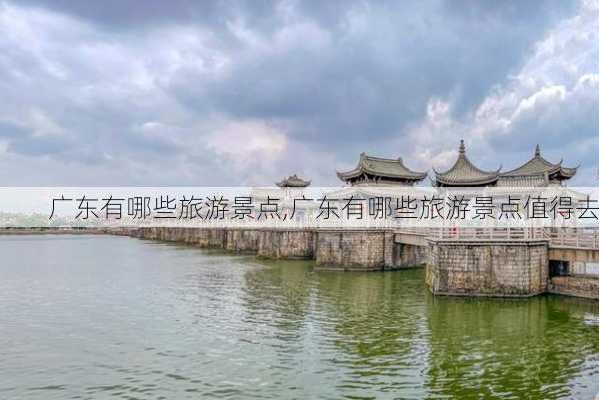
[342,249]
[470,262]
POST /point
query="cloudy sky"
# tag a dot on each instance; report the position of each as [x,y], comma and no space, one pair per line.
[199,93]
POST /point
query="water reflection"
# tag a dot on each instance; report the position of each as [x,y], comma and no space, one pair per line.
[377,331]
[118,317]
[509,348]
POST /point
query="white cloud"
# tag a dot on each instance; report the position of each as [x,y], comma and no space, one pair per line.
[41,124]
[245,142]
[433,135]
[553,100]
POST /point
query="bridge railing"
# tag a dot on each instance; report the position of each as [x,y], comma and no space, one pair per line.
[584,238]
[495,233]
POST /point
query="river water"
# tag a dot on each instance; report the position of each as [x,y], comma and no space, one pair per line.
[93,317]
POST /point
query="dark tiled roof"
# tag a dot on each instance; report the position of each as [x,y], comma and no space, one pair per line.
[381,167]
[540,166]
[293,181]
[463,172]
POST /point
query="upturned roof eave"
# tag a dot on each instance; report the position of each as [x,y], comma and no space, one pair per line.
[568,172]
[362,168]
[343,175]
[465,182]
[410,175]
[551,169]
[354,174]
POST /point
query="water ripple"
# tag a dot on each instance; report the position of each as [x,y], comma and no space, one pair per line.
[91,317]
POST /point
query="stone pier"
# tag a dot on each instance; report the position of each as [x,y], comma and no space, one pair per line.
[341,249]
[488,268]
[351,250]
[576,285]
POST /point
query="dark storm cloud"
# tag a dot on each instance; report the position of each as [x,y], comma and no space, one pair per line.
[374,81]
[131,14]
[148,81]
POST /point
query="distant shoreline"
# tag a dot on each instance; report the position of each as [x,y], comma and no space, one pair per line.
[51,231]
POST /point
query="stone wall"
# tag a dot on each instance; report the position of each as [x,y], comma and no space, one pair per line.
[580,286]
[351,250]
[241,240]
[206,238]
[294,244]
[574,255]
[366,250]
[487,268]
[409,256]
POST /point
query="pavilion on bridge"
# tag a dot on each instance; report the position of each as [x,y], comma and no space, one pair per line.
[381,171]
[536,172]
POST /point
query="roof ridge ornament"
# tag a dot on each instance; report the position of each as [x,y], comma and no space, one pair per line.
[538,166]
[465,173]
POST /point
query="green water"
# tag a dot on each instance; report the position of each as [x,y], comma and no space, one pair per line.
[94,317]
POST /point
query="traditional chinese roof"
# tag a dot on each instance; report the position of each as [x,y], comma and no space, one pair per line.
[464,173]
[376,167]
[523,181]
[293,181]
[540,166]
[284,198]
[395,191]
